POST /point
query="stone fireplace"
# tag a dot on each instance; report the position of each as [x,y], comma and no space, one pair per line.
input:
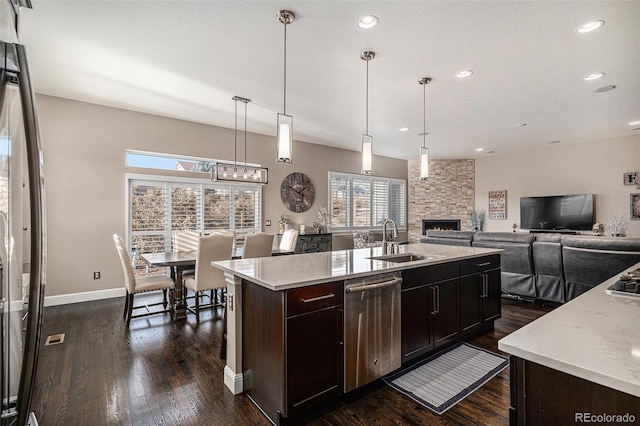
[440,225]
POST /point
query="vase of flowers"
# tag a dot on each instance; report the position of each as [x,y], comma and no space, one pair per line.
[323,216]
[475,221]
[615,224]
[284,224]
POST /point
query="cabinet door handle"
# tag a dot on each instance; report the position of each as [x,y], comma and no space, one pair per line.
[315,299]
[483,264]
[483,277]
[434,296]
[484,285]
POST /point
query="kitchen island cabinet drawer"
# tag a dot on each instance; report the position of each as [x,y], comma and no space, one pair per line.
[312,298]
[429,274]
[479,264]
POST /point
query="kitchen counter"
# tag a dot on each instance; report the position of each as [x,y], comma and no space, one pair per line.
[279,274]
[595,337]
[286,272]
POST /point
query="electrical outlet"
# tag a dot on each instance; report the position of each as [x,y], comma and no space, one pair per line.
[268,222]
[96,275]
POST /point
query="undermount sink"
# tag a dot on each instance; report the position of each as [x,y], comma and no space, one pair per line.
[405,257]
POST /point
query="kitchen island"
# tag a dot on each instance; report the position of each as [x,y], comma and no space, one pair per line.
[294,343]
[578,362]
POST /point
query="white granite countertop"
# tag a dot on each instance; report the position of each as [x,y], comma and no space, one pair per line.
[595,337]
[299,270]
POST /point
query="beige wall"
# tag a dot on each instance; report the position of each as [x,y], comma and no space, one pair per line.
[84,151]
[562,169]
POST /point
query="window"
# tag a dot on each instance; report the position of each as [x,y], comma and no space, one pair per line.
[159,206]
[364,202]
[154,160]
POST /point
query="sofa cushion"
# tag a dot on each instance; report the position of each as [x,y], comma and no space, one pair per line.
[509,237]
[452,238]
[516,260]
[588,261]
[547,265]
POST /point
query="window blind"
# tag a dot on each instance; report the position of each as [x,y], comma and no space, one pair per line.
[159,206]
[364,202]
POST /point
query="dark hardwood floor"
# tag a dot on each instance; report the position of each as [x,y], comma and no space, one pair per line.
[163,373]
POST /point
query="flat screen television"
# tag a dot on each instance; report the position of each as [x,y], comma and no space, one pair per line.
[557,212]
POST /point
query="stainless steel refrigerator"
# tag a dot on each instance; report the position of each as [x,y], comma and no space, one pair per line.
[22,224]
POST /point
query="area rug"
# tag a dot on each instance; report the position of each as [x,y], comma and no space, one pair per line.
[446,378]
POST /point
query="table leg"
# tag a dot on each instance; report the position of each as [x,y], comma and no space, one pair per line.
[179,308]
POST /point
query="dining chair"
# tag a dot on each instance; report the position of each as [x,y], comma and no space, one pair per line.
[134,285]
[259,244]
[186,241]
[288,240]
[210,248]
[364,239]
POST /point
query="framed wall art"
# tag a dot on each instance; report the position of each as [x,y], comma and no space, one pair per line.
[498,205]
[635,206]
[631,178]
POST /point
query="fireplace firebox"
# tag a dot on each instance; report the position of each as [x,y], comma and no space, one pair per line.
[440,225]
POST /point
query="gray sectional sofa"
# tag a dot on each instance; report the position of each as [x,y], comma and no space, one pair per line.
[549,267]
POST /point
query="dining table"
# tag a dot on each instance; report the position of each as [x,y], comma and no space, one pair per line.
[180,261]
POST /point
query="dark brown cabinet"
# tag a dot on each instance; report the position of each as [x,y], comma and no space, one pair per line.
[293,366]
[479,292]
[313,243]
[293,343]
[429,308]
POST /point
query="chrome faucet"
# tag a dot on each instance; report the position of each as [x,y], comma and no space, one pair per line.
[386,243]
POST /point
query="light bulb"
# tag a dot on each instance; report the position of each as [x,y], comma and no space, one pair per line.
[244,175]
[224,171]
[283,141]
[235,172]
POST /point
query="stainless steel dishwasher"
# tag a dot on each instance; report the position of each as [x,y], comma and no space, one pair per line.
[371,328]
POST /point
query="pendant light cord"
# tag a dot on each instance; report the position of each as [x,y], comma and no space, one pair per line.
[245,134]
[367,99]
[424,115]
[285,70]
[235,135]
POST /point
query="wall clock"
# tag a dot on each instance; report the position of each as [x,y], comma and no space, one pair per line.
[297,192]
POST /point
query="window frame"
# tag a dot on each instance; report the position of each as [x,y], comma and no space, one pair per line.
[202,183]
[373,208]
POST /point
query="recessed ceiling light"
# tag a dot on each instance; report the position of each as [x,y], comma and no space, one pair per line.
[593,76]
[589,26]
[634,123]
[522,125]
[479,149]
[423,133]
[404,129]
[605,88]
[552,142]
[368,21]
[490,152]
[464,73]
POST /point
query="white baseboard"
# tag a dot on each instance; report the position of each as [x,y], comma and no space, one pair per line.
[232,380]
[87,296]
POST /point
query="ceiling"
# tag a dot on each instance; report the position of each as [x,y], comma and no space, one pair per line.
[187,59]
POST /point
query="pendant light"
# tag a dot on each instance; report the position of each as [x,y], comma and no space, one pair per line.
[424,151]
[367,140]
[222,171]
[284,136]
